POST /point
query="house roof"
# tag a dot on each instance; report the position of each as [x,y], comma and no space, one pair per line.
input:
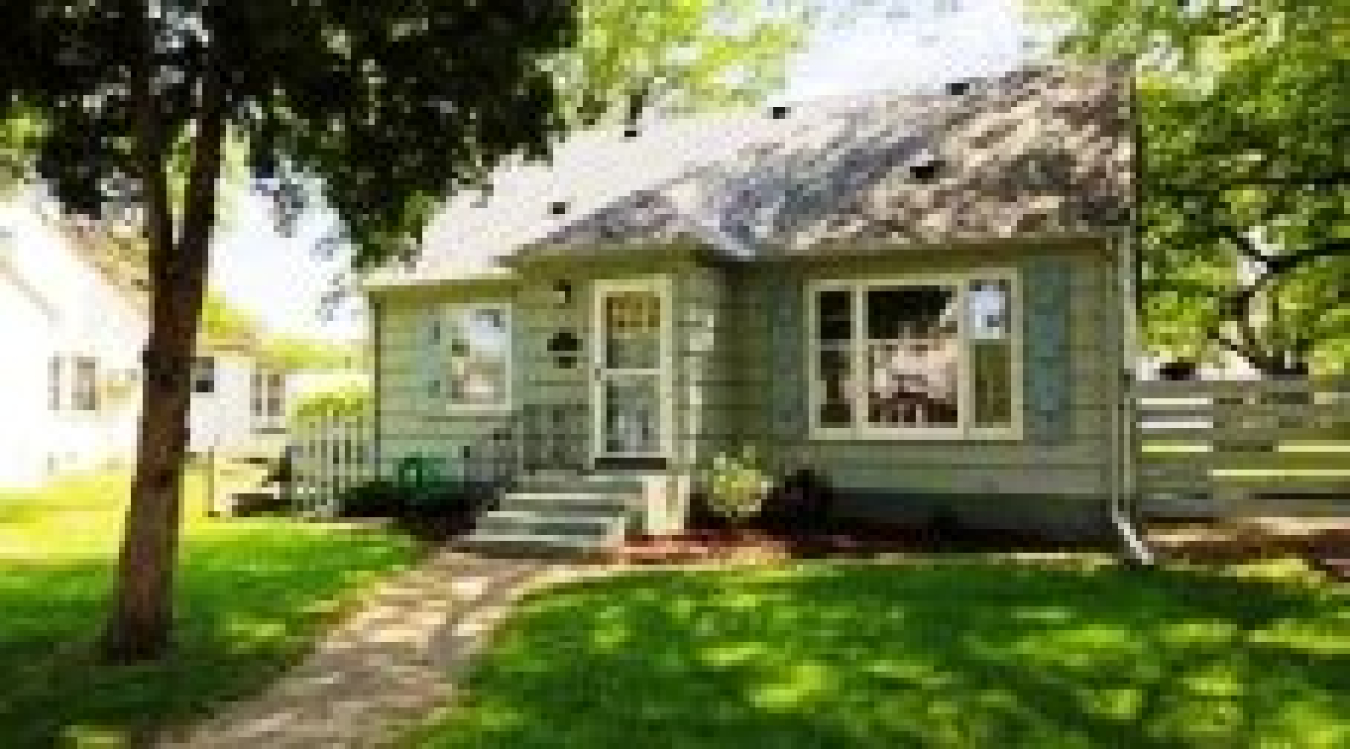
[1037,152]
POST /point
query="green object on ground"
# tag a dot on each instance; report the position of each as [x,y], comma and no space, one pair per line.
[954,654]
[252,595]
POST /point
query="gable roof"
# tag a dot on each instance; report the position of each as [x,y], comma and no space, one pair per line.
[1037,152]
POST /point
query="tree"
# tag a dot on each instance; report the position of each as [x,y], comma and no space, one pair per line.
[222,322]
[384,107]
[389,105]
[1246,219]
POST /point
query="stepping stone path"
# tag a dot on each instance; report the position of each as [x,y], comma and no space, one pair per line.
[386,668]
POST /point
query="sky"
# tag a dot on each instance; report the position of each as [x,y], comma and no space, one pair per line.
[914,43]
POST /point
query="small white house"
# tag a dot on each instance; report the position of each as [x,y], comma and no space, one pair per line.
[73,323]
[72,331]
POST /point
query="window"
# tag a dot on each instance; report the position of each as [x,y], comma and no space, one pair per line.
[203,374]
[915,358]
[84,389]
[476,341]
[267,398]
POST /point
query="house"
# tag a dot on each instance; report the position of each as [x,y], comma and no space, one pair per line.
[73,312]
[73,329]
[920,297]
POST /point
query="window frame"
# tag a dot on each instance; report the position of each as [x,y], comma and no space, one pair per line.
[440,324]
[965,430]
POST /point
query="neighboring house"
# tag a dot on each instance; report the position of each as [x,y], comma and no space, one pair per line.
[920,297]
[74,321]
[73,329]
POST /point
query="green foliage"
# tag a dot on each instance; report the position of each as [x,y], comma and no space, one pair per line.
[1244,112]
[342,402]
[736,486]
[256,593]
[291,354]
[222,322]
[679,55]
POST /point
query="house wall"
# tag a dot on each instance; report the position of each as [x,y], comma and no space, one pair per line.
[413,420]
[52,303]
[1055,478]
[740,370]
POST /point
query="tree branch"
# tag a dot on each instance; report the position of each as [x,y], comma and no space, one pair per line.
[150,158]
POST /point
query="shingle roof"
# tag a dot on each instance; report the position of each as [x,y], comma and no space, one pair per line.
[1039,151]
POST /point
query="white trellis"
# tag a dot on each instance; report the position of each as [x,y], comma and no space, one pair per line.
[333,453]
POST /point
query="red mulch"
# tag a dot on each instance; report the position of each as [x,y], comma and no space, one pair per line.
[1326,549]
[855,541]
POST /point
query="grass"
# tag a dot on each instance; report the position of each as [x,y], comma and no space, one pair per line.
[252,594]
[954,654]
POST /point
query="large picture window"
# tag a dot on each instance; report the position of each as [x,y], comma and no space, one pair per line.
[476,340]
[915,358]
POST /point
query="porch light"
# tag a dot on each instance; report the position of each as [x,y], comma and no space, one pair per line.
[564,346]
[562,293]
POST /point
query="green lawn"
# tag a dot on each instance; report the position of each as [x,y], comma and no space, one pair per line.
[252,595]
[948,655]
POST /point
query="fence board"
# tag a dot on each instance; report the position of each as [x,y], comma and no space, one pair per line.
[1249,447]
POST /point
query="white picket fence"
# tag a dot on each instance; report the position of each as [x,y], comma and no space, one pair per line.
[333,452]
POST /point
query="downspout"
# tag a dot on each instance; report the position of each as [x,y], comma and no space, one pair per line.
[1123,511]
[377,361]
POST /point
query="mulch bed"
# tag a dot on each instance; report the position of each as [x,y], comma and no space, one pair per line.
[842,541]
[1325,549]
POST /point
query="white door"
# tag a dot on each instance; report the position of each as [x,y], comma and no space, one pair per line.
[630,397]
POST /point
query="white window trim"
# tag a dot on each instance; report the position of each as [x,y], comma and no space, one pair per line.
[441,317]
[964,431]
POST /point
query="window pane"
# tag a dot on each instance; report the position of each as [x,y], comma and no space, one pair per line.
[632,330]
[987,307]
[203,374]
[479,340]
[632,414]
[992,382]
[834,313]
[913,355]
[835,409]
[85,395]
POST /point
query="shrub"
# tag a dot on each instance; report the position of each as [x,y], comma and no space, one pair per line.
[376,498]
[736,486]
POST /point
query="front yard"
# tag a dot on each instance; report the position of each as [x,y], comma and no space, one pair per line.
[252,595]
[950,654]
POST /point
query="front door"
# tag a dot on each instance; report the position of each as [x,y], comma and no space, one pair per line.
[630,398]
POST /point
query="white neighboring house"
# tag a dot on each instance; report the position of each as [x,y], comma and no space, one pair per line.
[72,331]
[73,325]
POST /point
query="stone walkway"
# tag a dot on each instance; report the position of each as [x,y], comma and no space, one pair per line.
[386,668]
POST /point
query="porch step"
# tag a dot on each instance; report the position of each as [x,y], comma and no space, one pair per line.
[558,516]
[582,503]
[551,524]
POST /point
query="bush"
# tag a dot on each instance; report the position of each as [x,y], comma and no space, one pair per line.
[377,498]
[736,486]
[802,502]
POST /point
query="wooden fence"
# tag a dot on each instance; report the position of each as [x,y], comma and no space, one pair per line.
[1242,448]
[333,452]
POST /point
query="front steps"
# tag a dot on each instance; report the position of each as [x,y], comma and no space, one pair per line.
[558,515]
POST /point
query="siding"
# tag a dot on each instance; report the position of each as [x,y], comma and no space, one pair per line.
[1072,361]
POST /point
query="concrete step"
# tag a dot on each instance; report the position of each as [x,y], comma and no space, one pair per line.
[531,545]
[582,503]
[560,484]
[604,527]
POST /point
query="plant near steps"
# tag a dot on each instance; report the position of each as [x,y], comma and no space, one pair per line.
[737,486]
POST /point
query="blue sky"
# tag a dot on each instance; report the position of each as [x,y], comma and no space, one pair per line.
[916,43]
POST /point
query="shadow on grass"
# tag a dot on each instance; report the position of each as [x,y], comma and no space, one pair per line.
[952,655]
[251,597]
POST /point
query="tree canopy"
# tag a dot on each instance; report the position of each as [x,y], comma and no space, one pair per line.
[1244,113]
[384,107]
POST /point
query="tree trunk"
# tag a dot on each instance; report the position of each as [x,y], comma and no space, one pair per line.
[142,613]
[143,605]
